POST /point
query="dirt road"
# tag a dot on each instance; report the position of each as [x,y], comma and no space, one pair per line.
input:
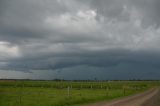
[148,98]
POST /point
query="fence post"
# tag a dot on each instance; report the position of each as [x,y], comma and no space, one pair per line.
[91,86]
[81,86]
[68,90]
[107,91]
[124,91]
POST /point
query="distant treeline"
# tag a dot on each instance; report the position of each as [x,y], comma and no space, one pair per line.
[89,80]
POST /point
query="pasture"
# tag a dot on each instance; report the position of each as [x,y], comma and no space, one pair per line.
[66,93]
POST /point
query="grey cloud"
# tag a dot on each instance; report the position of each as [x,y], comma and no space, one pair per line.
[110,8]
[67,37]
[114,9]
[97,59]
[150,10]
[23,19]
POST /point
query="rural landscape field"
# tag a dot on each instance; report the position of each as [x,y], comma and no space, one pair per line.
[67,93]
[79,52]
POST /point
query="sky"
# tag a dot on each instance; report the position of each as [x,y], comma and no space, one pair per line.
[80,39]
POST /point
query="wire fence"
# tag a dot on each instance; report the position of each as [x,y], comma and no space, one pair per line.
[60,93]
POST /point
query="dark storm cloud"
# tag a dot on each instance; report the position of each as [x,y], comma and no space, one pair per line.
[149,9]
[109,38]
[109,8]
[23,19]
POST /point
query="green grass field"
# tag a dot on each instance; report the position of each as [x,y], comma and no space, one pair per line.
[66,93]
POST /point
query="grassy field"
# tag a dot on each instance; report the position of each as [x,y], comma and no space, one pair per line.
[66,93]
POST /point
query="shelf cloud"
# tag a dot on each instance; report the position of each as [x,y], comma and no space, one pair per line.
[80,39]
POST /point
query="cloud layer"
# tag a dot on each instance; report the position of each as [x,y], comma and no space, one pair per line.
[107,39]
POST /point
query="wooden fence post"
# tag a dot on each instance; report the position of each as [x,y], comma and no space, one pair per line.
[68,90]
